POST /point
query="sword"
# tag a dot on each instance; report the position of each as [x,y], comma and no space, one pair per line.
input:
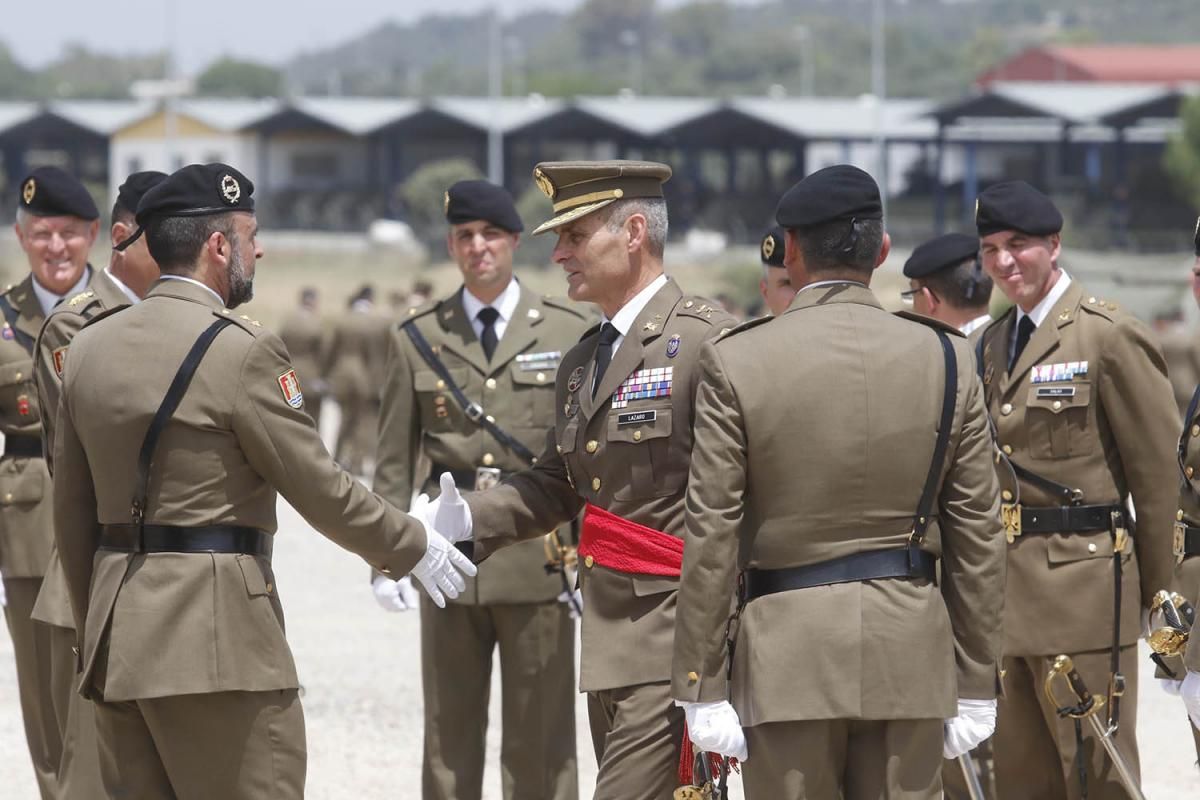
[971,776]
[1178,615]
[1087,707]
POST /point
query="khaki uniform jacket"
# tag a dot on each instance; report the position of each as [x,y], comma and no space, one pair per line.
[1181,349]
[356,355]
[53,605]
[1114,437]
[175,623]
[814,437]
[419,417]
[26,532]
[304,335]
[637,471]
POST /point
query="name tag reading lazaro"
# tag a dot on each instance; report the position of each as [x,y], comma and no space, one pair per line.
[1056,391]
[636,417]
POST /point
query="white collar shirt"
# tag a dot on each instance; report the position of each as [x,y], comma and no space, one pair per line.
[505,305]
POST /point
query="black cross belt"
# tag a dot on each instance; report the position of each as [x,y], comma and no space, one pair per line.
[179,539]
[874,565]
[23,446]
[1069,519]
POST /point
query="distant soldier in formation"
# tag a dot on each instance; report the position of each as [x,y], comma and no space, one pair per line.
[354,363]
[129,275]
[57,224]
[303,332]
[496,344]
[775,286]
[1180,344]
[1079,395]
[947,283]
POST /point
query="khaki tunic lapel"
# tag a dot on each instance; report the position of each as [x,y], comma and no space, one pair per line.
[460,334]
[520,332]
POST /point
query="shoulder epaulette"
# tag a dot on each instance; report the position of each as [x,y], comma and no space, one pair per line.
[251,326]
[564,304]
[1103,308]
[745,326]
[427,307]
[700,308]
[936,324]
[80,298]
[108,312]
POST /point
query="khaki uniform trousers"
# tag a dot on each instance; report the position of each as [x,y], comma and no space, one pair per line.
[1034,749]
[537,684]
[31,645]
[636,732]
[228,745]
[79,769]
[844,759]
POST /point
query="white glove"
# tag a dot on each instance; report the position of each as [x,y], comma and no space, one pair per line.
[975,722]
[1190,692]
[715,728]
[573,601]
[1170,686]
[3,595]
[441,570]
[448,515]
[395,595]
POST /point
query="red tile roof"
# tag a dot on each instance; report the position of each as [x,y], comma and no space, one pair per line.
[1169,64]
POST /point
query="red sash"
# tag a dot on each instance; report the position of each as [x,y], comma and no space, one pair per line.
[618,544]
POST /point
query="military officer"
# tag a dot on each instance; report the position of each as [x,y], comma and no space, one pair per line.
[164,509]
[947,282]
[126,279]
[849,655]
[57,223]
[500,344]
[303,333]
[775,286]
[1078,392]
[355,359]
[622,442]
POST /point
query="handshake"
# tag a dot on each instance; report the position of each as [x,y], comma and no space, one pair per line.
[447,520]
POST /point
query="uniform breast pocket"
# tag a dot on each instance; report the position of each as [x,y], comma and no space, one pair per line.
[533,395]
[640,437]
[438,409]
[1060,420]
[18,398]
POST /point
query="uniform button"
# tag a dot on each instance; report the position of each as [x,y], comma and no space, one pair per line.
[587,562]
[1007,450]
[566,408]
[441,384]
[558,449]
[637,436]
[8,497]
[592,446]
[693,676]
[1057,405]
[688,304]
[595,484]
[1006,495]
[490,419]
[1006,409]
[1092,547]
[488,459]
[540,377]
[1196,430]
[270,588]
[1179,515]
[19,376]
[490,383]
[1091,300]
[1189,471]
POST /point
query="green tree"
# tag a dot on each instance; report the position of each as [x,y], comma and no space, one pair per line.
[423,195]
[1182,158]
[15,80]
[230,77]
[82,73]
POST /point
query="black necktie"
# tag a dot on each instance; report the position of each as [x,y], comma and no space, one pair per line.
[608,335]
[1024,330]
[488,316]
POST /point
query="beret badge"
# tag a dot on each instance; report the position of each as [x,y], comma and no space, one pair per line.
[231,190]
[29,190]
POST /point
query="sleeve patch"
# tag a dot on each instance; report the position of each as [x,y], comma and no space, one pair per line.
[60,360]
[290,386]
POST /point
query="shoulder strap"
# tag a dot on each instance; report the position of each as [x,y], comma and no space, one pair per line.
[979,355]
[473,411]
[949,397]
[175,393]
[10,316]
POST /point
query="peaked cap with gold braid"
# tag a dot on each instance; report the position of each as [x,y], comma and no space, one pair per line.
[577,188]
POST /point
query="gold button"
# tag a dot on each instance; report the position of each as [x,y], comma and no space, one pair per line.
[488,459]
[595,484]
[1196,430]
[693,676]
[587,562]
[224,310]
[491,419]
[688,304]
[1091,299]
[1189,471]
[1092,547]
[1007,450]
[19,376]
[1006,495]
[566,408]
[8,497]
[1006,409]
[490,383]
[440,400]
[637,436]
[558,448]
[270,588]
[441,384]
[592,446]
[1057,405]
[540,377]
[1179,515]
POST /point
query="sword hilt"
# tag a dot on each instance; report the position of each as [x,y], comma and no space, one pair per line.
[1087,703]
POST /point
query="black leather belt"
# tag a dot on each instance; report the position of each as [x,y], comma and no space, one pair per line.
[1070,519]
[23,446]
[875,565]
[1186,540]
[178,539]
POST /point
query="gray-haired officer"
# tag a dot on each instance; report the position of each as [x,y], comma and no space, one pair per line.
[947,282]
[179,421]
[57,224]
[496,344]
[775,286]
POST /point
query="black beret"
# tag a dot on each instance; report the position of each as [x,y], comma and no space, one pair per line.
[129,193]
[941,253]
[52,192]
[838,192]
[1016,206]
[771,249]
[468,201]
[197,190]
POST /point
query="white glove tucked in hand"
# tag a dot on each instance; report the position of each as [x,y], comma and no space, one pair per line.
[715,728]
[393,595]
[975,722]
[441,570]
[1190,692]
[448,515]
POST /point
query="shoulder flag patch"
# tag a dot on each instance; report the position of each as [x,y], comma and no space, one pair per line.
[290,386]
[60,359]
